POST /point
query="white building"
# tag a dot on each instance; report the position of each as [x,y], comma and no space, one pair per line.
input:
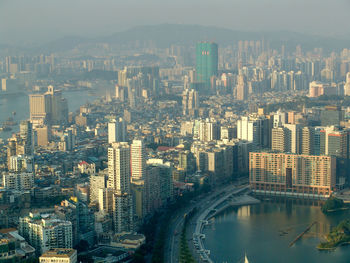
[253,129]
[117,131]
[45,231]
[208,131]
[119,177]
[138,160]
[19,163]
[18,181]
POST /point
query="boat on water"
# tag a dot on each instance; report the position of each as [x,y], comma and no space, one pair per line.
[246,259]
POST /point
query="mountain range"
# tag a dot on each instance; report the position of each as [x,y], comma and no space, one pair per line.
[164,35]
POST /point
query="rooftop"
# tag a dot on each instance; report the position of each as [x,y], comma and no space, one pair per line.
[59,252]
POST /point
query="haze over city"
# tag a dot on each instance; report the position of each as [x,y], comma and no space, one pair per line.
[41,21]
[174,131]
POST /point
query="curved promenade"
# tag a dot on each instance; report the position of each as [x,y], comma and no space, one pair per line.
[234,198]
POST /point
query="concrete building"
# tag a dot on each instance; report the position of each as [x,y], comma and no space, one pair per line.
[254,129]
[308,141]
[48,108]
[119,177]
[21,163]
[18,181]
[280,140]
[347,85]
[332,115]
[45,231]
[242,88]
[59,255]
[27,136]
[117,131]
[189,102]
[97,182]
[291,174]
[138,160]
[206,62]
[208,130]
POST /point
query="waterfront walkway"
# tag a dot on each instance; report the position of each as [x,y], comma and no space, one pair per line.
[233,198]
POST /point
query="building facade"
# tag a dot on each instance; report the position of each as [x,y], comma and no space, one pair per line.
[292,174]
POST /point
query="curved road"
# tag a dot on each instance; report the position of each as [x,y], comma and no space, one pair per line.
[176,224]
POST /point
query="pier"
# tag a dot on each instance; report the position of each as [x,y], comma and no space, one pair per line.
[301,235]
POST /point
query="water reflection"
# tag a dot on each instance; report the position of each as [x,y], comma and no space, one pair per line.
[265,231]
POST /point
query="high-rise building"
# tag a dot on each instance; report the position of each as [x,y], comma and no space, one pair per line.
[241,88]
[347,85]
[209,130]
[18,181]
[97,182]
[332,115]
[189,102]
[138,160]
[40,108]
[26,134]
[45,232]
[308,141]
[117,131]
[21,163]
[280,139]
[81,217]
[292,174]
[334,142]
[294,137]
[119,173]
[119,177]
[59,106]
[50,108]
[254,129]
[206,62]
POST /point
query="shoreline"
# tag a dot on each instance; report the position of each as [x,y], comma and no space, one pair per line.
[345,243]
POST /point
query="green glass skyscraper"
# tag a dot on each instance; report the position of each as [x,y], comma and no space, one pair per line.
[206,62]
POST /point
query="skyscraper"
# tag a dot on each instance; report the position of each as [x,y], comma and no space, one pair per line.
[206,62]
[119,175]
[347,85]
[26,134]
[241,88]
[138,160]
[49,107]
[117,131]
[189,101]
[119,167]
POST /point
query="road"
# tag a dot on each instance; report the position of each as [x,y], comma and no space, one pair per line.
[176,224]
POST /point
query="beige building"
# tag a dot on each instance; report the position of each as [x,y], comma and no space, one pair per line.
[138,160]
[43,135]
[279,139]
[241,88]
[59,255]
[49,107]
[292,174]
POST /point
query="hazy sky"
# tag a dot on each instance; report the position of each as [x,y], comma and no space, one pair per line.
[30,21]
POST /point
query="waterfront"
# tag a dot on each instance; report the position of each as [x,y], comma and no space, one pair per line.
[264,231]
[20,105]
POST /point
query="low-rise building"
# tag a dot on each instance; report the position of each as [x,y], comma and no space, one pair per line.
[59,255]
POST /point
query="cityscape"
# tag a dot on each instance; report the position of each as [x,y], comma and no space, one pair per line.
[173,142]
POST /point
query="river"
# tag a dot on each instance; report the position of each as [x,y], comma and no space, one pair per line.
[20,105]
[264,232]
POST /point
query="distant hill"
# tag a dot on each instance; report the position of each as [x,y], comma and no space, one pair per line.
[166,34]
